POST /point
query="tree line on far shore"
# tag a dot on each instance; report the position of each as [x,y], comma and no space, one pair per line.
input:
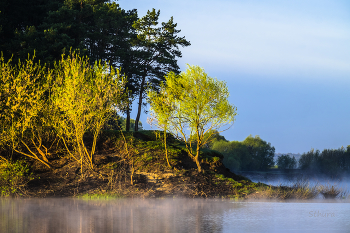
[255,154]
[331,162]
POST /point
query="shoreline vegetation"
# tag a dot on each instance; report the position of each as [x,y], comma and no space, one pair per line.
[61,136]
[143,173]
[61,98]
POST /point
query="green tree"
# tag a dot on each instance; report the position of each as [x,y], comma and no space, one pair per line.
[19,26]
[157,49]
[97,28]
[309,160]
[85,97]
[262,153]
[331,162]
[286,162]
[161,111]
[236,155]
[194,101]
[24,107]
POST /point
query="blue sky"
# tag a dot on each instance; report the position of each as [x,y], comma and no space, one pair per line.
[286,64]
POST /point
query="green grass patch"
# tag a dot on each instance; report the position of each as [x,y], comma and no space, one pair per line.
[99,196]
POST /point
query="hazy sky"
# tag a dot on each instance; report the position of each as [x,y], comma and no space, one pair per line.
[286,64]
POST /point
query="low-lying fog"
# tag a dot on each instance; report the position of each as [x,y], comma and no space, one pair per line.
[70,215]
[342,183]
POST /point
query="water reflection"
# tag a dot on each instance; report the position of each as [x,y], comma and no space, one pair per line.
[171,215]
[127,215]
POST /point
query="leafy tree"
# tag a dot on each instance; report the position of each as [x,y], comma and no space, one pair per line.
[97,28]
[157,49]
[236,155]
[262,153]
[214,137]
[286,162]
[20,22]
[162,110]
[309,160]
[116,122]
[194,101]
[84,96]
[24,109]
[332,162]
[81,99]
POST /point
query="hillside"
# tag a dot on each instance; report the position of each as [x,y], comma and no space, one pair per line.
[134,165]
[139,171]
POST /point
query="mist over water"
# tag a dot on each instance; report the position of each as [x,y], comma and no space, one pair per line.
[171,215]
[342,182]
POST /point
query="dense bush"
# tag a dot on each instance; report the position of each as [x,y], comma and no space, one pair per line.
[251,154]
[41,105]
[235,153]
[13,177]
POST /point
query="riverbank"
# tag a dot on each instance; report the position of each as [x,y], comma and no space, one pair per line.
[134,165]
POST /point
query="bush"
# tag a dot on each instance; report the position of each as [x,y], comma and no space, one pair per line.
[13,177]
[249,155]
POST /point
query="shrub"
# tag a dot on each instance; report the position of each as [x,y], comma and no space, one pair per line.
[13,177]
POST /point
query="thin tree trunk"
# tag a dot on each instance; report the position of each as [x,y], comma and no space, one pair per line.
[140,103]
[199,167]
[166,150]
[127,123]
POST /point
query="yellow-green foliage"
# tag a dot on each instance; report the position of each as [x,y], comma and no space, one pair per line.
[38,104]
[194,101]
[13,176]
[23,108]
[240,188]
[99,196]
[84,96]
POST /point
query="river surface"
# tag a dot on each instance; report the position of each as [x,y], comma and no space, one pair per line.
[69,215]
[342,183]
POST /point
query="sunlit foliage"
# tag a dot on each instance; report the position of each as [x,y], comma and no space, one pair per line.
[190,105]
[40,106]
[84,97]
[24,107]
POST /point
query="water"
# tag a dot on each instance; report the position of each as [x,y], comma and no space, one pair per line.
[171,215]
[289,180]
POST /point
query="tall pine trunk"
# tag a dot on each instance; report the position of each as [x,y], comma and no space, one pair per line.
[140,103]
[127,123]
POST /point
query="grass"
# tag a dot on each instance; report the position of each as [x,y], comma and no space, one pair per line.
[99,196]
[299,190]
[332,191]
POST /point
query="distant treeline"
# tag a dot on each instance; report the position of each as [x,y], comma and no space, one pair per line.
[331,162]
[255,154]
